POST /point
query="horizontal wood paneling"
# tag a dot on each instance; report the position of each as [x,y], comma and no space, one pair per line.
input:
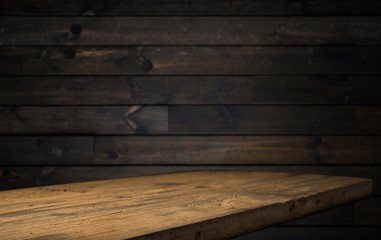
[321,55]
[238,150]
[46,150]
[275,119]
[185,150]
[19,176]
[97,90]
[84,120]
[366,212]
[190,30]
[190,60]
[190,7]
[314,233]
[191,119]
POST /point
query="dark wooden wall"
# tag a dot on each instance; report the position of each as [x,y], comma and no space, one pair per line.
[96,89]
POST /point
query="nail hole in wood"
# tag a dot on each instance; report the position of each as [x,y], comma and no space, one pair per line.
[76,29]
[69,53]
[147,66]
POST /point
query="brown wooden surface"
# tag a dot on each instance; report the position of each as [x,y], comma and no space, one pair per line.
[191,119]
[230,150]
[172,206]
[280,90]
[12,177]
[189,150]
[190,60]
[190,7]
[46,150]
[321,57]
[101,120]
[275,119]
[190,30]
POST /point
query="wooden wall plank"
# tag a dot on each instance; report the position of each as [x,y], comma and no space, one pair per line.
[275,119]
[192,119]
[314,233]
[232,150]
[185,150]
[84,120]
[366,212]
[191,60]
[190,7]
[98,90]
[46,150]
[21,176]
[190,31]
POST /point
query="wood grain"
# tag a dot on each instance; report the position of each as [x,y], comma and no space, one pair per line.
[12,177]
[99,90]
[185,205]
[190,7]
[232,150]
[190,31]
[46,150]
[84,120]
[275,119]
[191,60]
[191,120]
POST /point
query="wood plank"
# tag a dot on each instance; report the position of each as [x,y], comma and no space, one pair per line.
[107,31]
[190,7]
[12,177]
[314,233]
[185,205]
[98,90]
[231,150]
[275,119]
[366,212]
[191,120]
[191,60]
[46,150]
[84,120]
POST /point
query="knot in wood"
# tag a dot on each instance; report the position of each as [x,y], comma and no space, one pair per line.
[69,53]
[76,29]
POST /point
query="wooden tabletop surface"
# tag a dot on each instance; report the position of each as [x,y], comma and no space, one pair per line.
[189,205]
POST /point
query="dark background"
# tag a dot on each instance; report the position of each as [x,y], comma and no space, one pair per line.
[94,89]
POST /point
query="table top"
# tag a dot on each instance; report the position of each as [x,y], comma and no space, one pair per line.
[188,205]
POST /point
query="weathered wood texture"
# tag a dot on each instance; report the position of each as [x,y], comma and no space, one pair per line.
[190,31]
[189,150]
[185,150]
[190,7]
[12,177]
[275,119]
[46,150]
[84,120]
[268,85]
[231,150]
[191,119]
[280,90]
[315,233]
[186,205]
[190,60]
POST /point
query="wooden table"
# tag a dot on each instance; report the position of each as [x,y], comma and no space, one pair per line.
[189,205]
